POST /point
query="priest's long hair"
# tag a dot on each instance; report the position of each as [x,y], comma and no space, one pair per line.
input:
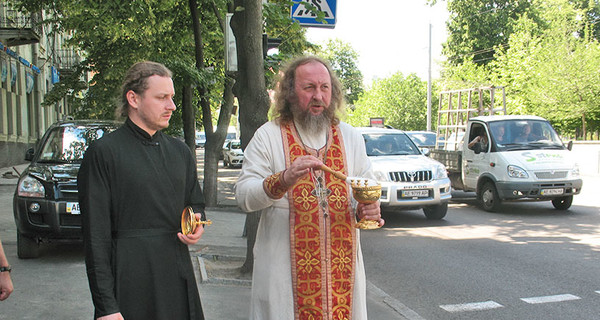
[136,79]
[285,95]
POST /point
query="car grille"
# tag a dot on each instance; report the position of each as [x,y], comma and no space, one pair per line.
[411,176]
[551,174]
[67,191]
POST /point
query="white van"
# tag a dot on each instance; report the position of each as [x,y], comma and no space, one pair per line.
[508,158]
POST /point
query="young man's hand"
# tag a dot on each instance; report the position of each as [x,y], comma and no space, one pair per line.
[192,238]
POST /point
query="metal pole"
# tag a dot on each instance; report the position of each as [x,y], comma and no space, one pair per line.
[429,84]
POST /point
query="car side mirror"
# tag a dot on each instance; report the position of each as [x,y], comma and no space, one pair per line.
[570,145]
[29,154]
[426,151]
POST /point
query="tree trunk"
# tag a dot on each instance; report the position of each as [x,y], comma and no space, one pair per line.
[214,147]
[214,138]
[250,88]
[189,117]
[583,127]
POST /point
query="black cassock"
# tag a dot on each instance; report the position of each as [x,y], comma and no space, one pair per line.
[132,191]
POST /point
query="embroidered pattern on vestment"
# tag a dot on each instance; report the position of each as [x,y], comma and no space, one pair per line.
[323,239]
[274,186]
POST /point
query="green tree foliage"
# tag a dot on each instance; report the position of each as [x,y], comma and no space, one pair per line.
[554,74]
[465,75]
[344,61]
[401,100]
[548,63]
[477,27]
[114,35]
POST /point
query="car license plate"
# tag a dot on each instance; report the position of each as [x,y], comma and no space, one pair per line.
[73,208]
[415,193]
[551,192]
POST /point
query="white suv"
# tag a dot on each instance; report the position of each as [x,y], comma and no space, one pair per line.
[408,178]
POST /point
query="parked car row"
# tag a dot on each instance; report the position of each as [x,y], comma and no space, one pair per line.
[201,136]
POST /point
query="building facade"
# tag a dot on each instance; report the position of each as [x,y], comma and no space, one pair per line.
[32,58]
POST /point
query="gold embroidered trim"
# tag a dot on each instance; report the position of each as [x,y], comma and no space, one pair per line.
[274,186]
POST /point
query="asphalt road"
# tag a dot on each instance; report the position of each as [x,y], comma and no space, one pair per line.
[528,261]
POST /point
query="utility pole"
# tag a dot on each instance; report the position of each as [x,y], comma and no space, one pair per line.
[429,84]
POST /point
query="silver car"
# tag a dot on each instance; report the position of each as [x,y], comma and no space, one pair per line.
[408,178]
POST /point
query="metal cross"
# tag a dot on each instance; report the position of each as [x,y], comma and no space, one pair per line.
[321,193]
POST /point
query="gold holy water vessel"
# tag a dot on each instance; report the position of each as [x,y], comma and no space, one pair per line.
[189,222]
[362,192]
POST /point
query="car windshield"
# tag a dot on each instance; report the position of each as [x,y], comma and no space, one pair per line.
[388,144]
[68,143]
[236,145]
[422,139]
[525,135]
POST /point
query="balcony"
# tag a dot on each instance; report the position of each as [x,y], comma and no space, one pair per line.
[66,60]
[18,28]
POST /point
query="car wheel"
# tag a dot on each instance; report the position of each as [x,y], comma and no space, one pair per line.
[488,197]
[27,248]
[436,212]
[562,203]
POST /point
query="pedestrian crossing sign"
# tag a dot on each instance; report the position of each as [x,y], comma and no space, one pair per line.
[304,13]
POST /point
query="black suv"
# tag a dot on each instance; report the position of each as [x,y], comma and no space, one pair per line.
[45,203]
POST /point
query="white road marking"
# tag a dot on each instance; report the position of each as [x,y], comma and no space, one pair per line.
[548,299]
[474,306]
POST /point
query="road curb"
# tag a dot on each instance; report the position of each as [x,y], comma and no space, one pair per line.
[206,279]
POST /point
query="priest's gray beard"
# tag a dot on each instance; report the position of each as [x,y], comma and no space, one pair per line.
[312,123]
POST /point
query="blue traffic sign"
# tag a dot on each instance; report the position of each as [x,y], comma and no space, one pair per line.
[307,17]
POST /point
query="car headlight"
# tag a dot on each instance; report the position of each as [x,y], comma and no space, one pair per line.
[575,171]
[30,187]
[440,172]
[381,176]
[517,172]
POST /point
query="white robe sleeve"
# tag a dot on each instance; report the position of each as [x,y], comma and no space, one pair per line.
[263,157]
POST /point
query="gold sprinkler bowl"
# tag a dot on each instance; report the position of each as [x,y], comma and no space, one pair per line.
[362,192]
[367,194]
[189,222]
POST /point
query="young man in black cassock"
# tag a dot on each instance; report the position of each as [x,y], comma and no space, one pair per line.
[133,186]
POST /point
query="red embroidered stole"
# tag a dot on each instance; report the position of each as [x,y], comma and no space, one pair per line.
[323,242]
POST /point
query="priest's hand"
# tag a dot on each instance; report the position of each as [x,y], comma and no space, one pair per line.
[370,212]
[299,168]
[113,316]
[192,238]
